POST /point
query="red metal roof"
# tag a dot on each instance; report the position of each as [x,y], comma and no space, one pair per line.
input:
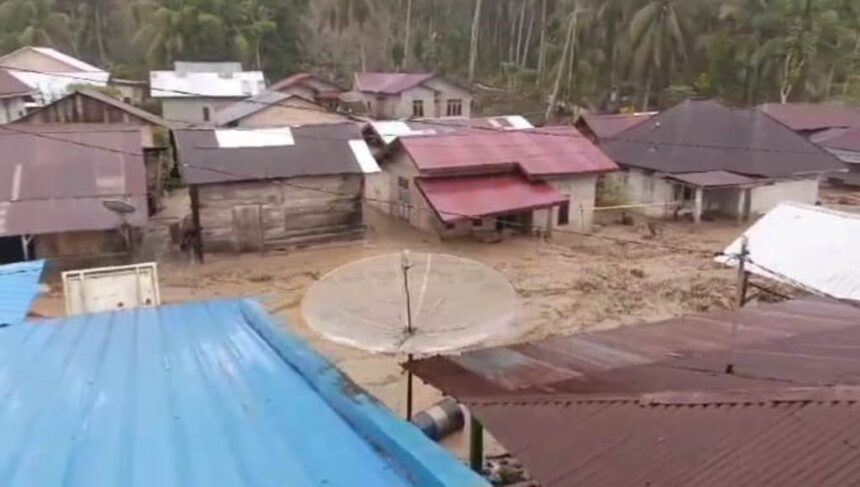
[460,198]
[813,116]
[546,151]
[605,126]
[389,83]
[54,178]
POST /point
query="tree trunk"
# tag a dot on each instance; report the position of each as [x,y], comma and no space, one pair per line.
[524,58]
[553,99]
[405,62]
[850,71]
[542,48]
[473,44]
[520,33]
[100,36]
[646,97]
[258,53]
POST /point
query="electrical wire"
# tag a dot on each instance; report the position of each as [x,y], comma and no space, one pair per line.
[429,121]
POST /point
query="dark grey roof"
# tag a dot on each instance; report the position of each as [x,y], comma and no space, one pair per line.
[250,106]
[318,150]
[702,136]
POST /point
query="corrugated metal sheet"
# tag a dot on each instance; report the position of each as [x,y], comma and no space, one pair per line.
[252,105]
[72,62]
[19,287]
[539,152]
[652,404]
[461,198]
[200,394]
[11,86]
[389,130]
[53,86]
[310,81]
[700,136]
[813,116]
[174,84]
[713,179]
[803,342]
[53,178]
[389,83]
[811,247]
[606,126]
[319,150]
[753,439]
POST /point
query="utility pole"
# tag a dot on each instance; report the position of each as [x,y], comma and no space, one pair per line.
[740,300]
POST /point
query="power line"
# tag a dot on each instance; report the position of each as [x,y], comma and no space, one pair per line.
[430,121]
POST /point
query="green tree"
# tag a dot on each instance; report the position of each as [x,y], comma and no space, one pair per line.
[34,22]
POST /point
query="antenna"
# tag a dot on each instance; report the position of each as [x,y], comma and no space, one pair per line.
[413,303]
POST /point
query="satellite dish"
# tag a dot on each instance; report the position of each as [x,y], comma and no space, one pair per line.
[119,207]
[413,303]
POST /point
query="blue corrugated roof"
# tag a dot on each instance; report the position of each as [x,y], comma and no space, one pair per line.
[19,287]
[200,394]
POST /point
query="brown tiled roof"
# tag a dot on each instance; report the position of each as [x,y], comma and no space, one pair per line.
[652,404]
[703,135]
[813,116]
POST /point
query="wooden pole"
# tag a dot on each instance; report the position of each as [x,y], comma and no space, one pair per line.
[740,300]
[25,247]
[406,264]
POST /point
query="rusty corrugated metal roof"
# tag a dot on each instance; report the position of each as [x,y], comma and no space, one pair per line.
[54,178]
[801,342]
[807,437]
[538,152]
[652,404]
[458,198]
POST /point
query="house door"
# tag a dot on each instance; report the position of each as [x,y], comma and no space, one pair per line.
[248,228]
[404,199]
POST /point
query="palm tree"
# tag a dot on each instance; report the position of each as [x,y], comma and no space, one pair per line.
[177,28]
[658,37]
[35,22]
[255,22]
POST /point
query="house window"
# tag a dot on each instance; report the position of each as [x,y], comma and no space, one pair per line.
[564,213]
[417,108]
[369,106]
[206,114]
[403,183]
[477,223]
[454,108]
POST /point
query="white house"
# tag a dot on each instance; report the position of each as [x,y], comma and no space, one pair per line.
[194,91]
[703,157]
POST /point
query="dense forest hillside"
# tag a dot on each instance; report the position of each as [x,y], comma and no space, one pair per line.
[607,54]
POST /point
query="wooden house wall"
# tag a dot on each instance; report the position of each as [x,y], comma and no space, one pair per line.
[261,215]
[81,109]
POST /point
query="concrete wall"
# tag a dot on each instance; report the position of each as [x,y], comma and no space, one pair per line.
[434,93]
[191,109]
[582,192]
[645,188]
[11,109]
[765,198]
[384,187]
[258,215]
[292,112]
